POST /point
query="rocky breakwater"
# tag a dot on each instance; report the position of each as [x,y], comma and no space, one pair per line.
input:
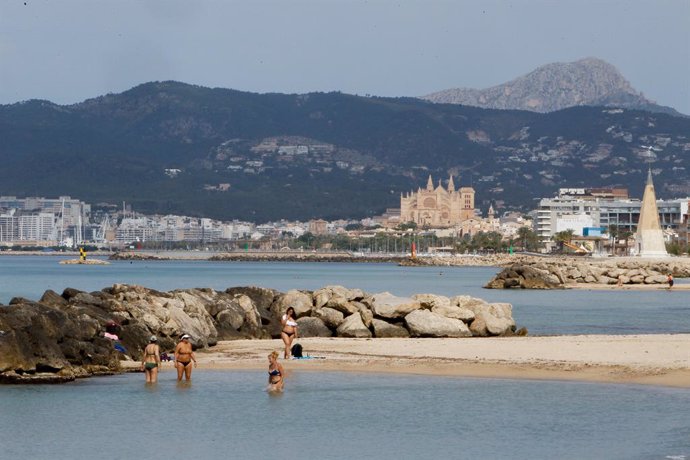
[65,336]
[468,260]
[561,273]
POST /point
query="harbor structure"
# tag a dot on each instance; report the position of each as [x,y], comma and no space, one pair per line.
[649,239]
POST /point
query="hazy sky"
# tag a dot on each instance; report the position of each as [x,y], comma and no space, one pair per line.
[67,51]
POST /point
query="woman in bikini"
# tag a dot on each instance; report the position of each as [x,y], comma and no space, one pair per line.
[151,361]
[289,331]
[275,373]
[184,355]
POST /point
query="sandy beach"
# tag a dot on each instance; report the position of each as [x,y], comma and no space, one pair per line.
[661,359]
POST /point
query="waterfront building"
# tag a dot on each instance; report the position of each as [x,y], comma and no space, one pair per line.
[137,229]
[47,221]
[71,212]
[554,214]
[438,207]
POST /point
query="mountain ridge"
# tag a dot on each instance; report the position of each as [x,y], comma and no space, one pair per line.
[556,86]
[261,157]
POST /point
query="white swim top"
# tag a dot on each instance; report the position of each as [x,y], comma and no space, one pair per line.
[289,322]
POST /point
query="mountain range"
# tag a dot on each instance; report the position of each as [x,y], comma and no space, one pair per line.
[557,86]
[170,147]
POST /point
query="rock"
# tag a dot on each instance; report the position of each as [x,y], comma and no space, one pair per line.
[492,319]
[655,279]
[383,329]
[353,326]
[85,298]
[321,297]
[52,298]
[386,305]
[300,301]
[424,323]
[365,313]
[463,314]
[342,304]
[312,327]
[637,279]
[229,319]
[465,301]
[262,299]
[330,316]
[430,301]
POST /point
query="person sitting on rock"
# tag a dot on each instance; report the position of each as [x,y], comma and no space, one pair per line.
[151,360]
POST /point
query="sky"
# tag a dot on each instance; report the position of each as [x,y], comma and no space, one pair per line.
[67,51]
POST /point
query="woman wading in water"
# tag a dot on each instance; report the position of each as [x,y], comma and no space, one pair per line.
[151,361]
[275,373]
[289,331]
[184,355]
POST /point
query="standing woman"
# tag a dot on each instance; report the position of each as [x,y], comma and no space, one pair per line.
[184,355]
[151,361]
[275,373]
[289,331]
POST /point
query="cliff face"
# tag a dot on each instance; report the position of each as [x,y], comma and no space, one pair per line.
[554,87]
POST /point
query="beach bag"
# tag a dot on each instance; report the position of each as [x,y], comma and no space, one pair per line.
[296,350]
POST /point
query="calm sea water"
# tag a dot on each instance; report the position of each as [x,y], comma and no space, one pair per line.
[542,312]
[342,416]
[225,414]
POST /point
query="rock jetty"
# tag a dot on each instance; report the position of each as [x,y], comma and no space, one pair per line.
[260,256]
[70,335]
[564,272]
[84,262]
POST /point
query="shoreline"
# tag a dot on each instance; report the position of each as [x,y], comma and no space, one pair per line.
[660,359]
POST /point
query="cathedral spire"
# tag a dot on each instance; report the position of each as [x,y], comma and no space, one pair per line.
[430,183]
[451,184]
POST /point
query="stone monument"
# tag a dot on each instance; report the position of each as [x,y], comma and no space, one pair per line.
[649,239]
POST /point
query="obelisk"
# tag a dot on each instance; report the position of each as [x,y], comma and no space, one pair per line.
[649,238]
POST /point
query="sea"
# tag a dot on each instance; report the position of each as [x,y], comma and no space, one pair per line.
[332,415]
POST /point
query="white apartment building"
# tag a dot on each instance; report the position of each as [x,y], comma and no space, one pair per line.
[137,229]
[22,226]
[71,212]
[555,214]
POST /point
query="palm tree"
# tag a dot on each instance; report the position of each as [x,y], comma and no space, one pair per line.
[614,231]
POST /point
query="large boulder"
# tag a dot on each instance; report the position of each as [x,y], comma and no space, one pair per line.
[299,300]
[429,301]
[424,323]
[353,326]
[386,305]
[312,327]
[262,298]
[492,320]
[463,314]
[330,317]
[384,329]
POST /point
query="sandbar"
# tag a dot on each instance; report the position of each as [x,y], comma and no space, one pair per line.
[657,359]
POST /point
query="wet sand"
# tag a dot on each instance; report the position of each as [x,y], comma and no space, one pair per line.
[661,359]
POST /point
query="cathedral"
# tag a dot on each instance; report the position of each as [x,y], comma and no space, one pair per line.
[438,207]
